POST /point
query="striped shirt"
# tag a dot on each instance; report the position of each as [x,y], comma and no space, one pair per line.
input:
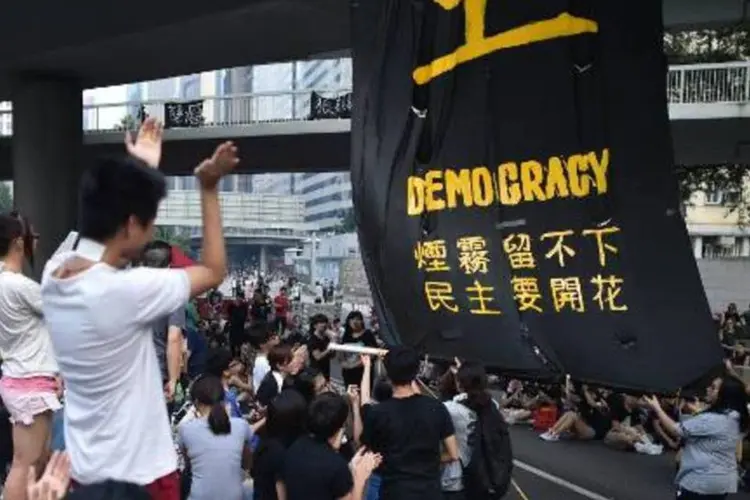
[709,463]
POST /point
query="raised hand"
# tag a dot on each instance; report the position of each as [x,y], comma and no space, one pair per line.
[221,163]
[53,485]
[652,401]
[366,360]
[353,393]
[364,463]
[147,144]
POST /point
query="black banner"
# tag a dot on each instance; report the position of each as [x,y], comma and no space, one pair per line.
[514,191]
[183,114]
[326,108]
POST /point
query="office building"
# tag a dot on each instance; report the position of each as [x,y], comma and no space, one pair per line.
[327,198]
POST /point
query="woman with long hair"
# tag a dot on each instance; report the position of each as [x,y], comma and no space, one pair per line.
[29,381]
[355,333]
[216,446]
[708,465]
[286,420]
[472,397]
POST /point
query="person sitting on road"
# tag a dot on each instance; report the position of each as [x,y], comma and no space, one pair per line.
[591,420]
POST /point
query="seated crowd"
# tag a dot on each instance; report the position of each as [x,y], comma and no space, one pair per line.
[250,397]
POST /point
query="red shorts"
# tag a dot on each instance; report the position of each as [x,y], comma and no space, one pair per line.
[164,488]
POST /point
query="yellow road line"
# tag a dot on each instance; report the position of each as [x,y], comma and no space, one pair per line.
[519,490]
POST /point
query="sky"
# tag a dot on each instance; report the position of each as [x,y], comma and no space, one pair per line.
[105,117]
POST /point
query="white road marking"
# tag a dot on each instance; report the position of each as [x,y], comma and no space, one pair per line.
[559,481]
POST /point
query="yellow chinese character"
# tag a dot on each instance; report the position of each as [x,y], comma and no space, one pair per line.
[518,248]
[602,246]
[567,292]
[559,249]
[607,291]
[473,255]
[431,256]
[439,294]
[480,296]
[478,44]
[526,293]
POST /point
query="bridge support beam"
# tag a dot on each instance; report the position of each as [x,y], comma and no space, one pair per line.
[47,157]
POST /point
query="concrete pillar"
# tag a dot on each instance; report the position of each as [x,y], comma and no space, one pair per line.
[263,260]
[745,248]
[47,156]
[698,247]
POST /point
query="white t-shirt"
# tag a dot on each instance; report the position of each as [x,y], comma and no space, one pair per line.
[260,370]
[24,342]
[116,423]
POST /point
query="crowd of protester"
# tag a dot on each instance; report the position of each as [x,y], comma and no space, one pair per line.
[170,389]
[703,427]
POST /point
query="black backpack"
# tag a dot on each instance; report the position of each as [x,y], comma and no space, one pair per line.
[487,476]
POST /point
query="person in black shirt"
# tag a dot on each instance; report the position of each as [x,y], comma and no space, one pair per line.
[259,308]
[355,334]
[313,469]
[739,355]
[625,432]
[280,358]
[309,382]
[408,430]
[285,422]
[237,320]
[732,313]
[317,345]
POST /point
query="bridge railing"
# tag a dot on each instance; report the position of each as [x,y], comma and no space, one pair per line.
[715,83]
[238,209]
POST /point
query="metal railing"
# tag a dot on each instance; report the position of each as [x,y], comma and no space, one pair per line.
[719,83]
[217,111]
[238,209]
[716,83]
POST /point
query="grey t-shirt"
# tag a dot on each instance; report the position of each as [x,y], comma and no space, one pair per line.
[215,460]
[161,329]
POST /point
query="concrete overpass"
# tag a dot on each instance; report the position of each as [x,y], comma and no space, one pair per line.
[51,50]
[708,104]
[98,43]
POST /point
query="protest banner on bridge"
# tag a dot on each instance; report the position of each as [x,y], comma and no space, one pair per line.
[514,193]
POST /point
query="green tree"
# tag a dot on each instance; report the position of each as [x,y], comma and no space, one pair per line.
[348,223]
[711,46]
[707,46]
[127,122]
[173,237]
[6,198]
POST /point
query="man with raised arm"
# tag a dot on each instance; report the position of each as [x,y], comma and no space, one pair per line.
[100,315]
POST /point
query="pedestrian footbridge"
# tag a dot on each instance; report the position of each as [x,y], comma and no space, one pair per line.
[708,106]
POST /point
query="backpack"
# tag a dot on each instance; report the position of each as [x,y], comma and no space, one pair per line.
[487,475]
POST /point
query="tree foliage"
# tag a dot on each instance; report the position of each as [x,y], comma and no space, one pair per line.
[127,122]
[348,223]
[712,46]
[707,46]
